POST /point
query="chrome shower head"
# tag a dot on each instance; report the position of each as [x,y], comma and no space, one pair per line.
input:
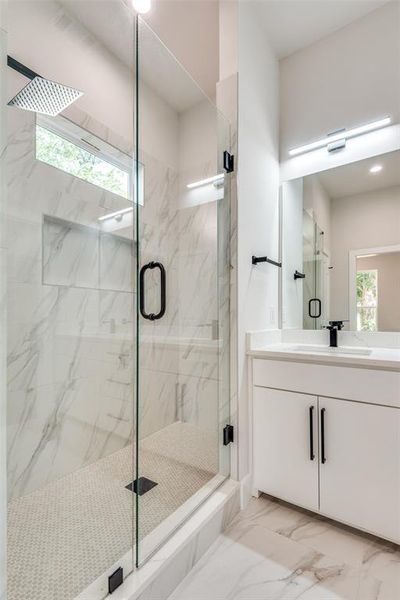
[42,95]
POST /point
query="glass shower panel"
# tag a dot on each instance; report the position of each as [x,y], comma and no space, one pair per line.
[309,270]
[183,278]
[70,243]
[321,280]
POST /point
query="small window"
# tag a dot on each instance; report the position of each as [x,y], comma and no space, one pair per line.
[63,154]
[367,300]
[66,150]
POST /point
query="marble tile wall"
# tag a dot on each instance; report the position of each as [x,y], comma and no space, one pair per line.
[158,374]
[70,315]
[3,314]
[204,274]
[179,359]
[70,347]
[74,255]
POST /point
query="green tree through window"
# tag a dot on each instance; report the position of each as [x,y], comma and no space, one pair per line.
[367,300]
[63,154]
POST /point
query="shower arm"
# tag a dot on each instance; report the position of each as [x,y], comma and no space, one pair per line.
[20,68]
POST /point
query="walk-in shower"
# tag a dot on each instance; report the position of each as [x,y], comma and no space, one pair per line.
[117,279]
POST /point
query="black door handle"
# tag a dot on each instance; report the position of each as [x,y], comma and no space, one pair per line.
[323,457]
[161,313]
[311,416]
[319,312]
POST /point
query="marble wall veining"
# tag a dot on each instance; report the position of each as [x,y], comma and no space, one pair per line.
[70,372]
[3,308]
[183,228]
[71,312]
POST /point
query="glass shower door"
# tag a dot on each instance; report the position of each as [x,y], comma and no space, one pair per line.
[315,288]
[68,227]
[309,302]
[182,230]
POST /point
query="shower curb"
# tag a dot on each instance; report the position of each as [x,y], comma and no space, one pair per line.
[162,573]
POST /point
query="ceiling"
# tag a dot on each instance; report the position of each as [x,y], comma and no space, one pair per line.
[355,178]
[190,30]
[295,24]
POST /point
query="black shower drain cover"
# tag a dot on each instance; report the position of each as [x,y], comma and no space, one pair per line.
[141,486]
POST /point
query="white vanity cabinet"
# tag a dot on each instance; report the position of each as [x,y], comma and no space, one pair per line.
[285,459]
[336,456]
[360,478]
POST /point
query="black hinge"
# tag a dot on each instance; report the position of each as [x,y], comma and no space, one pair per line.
[115,580]
[229,162]
[228,434]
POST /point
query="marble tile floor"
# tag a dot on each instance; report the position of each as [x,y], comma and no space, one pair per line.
[274,551]
[65,535]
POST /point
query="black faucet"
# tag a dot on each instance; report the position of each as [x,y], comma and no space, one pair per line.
[334,327]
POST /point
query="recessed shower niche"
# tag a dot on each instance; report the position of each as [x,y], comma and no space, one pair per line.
[76,255]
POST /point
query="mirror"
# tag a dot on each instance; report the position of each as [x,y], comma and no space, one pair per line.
[340,241]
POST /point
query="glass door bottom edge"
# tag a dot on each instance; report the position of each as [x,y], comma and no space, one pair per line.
[155,540]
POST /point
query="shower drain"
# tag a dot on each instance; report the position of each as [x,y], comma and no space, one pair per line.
[141,486]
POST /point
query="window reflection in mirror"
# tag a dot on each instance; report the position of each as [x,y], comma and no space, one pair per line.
[341,229]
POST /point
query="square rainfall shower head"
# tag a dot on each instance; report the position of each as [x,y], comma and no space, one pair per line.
[45,97]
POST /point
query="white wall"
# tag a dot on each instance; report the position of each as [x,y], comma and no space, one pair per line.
[359,222]
[258,196]
[347,78]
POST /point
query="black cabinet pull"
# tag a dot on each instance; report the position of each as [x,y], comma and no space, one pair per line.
[311,415]
[319,310]
[142,296]
[323,457]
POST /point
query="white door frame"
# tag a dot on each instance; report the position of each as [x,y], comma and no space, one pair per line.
[352,277]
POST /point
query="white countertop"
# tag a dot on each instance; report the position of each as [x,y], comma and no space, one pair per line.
[274,346]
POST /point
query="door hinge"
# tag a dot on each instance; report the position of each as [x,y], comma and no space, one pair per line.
[229,162]
[115,580]
[228,434]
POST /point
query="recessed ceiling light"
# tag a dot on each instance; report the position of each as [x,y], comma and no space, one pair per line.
[141,6]
[376,169]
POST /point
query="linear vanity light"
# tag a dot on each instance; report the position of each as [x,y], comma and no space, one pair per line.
[116,214]
[343,134]
[216,179]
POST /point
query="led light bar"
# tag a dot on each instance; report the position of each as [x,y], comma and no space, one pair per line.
[206,181]
[116,214]
[343,134]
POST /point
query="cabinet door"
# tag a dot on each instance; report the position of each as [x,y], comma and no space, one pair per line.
[360,478]
[285,456]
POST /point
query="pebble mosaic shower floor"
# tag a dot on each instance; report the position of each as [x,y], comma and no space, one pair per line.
[65,535]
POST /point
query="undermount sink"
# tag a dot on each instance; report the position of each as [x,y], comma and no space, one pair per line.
[329,350]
